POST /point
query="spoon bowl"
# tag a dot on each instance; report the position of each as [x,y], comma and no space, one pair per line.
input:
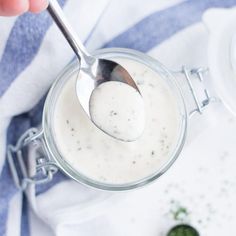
[93,71]
[101,71]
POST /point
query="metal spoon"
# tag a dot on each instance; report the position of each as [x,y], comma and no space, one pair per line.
[95,70]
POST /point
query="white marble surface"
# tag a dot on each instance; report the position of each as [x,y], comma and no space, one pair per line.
[202,180]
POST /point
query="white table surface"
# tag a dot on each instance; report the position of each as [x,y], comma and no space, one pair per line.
[202,180]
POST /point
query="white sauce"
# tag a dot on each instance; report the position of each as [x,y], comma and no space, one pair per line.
[118,109]
[98,156]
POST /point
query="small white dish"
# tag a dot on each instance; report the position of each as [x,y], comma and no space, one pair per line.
[222,53]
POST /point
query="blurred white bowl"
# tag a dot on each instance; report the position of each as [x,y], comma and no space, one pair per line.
[222,53]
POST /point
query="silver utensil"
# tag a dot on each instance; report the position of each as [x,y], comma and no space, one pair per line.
[95,70]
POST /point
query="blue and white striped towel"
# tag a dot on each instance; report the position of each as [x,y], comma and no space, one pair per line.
[32,53]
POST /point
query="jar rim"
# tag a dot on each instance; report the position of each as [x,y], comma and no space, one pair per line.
[50,143]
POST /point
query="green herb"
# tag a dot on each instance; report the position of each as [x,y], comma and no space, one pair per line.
[178,211]
[113,113]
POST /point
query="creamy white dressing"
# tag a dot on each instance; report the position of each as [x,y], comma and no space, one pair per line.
[99,157]
[118,109]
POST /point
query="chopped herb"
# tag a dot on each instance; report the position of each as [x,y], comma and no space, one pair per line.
[180,214]
[199,221]
[113,113]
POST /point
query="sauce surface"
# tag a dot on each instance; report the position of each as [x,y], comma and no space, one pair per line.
[102,158]
[118,109]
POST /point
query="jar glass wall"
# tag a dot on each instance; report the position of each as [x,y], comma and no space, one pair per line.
[49,108]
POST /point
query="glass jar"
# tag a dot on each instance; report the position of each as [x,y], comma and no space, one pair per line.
[50,159]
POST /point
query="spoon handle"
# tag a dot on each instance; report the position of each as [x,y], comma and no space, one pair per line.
[60,19]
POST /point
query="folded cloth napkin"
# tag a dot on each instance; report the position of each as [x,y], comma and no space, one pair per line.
[32,53]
